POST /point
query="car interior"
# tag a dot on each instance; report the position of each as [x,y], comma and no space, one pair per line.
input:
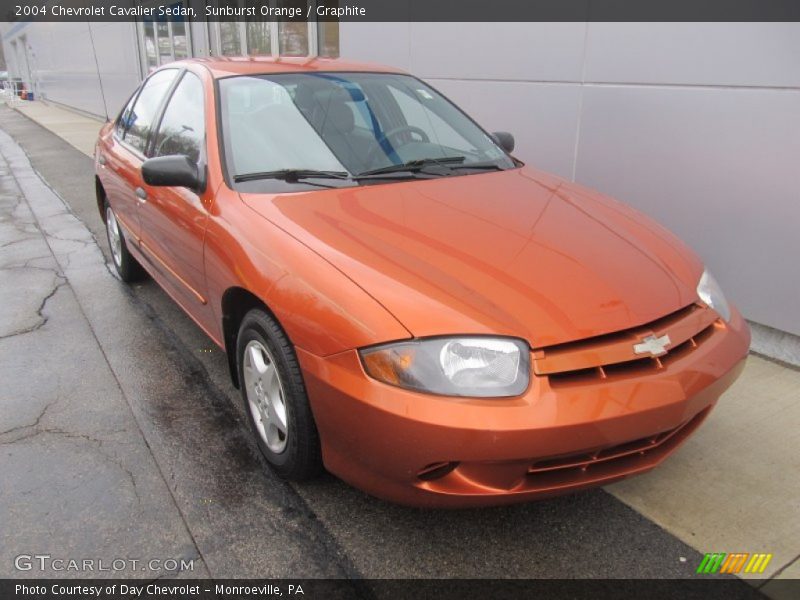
[362,126]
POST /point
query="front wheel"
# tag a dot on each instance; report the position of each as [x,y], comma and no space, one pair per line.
[275,398]
[127,267]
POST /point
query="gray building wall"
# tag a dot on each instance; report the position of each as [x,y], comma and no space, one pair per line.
[63,66]
[91,67]
[695,124]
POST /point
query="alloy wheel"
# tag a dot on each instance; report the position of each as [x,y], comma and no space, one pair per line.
[265,396]
[114,236]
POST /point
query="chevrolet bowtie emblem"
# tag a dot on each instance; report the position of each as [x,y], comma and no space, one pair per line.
[656,346]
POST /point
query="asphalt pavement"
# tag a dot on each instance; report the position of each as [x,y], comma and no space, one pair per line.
[122,435]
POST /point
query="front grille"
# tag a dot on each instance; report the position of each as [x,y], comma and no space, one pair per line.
[607,462]
[612,356]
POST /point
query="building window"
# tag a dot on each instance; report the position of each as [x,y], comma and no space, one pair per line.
[230,40]
[328,39]
[149,31]
[164,40]
[273,38]
[293,36]
[259,37]
[180,40]
[161,40]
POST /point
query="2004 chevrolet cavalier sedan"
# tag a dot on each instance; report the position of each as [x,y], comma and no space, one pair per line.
[400,299]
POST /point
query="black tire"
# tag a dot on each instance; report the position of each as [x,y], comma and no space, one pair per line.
[301,459]
[126,266]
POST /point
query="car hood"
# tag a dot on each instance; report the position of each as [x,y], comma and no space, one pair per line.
[517,252]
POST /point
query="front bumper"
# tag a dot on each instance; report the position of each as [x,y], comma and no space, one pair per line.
[425,450]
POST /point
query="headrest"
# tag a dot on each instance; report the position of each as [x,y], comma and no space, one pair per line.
[336,117]
[304,97]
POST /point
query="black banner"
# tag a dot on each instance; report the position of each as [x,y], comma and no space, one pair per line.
[711,588]
[400,10]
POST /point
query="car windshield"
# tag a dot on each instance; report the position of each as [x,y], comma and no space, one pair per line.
[376,125]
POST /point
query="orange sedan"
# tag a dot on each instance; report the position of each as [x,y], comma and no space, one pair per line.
[402,301]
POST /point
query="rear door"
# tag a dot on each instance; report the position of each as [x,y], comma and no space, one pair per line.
[125,152]
[112,158]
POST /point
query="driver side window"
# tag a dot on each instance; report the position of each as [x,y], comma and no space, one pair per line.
[183,127]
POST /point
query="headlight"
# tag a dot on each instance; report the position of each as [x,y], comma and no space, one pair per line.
[460,366]
[709,291]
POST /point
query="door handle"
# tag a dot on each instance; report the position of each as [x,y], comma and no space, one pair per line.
[102,160]
[141,195]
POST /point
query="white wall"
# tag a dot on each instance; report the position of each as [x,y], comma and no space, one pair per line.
[66,69]
[696,124]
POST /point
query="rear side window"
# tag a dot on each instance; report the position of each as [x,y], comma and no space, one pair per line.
[125,116]
[141,118]
[183,127]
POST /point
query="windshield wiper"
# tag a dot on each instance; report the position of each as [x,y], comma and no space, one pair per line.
[291,175]
[413,166]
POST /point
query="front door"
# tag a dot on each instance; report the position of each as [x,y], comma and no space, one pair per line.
[173,219]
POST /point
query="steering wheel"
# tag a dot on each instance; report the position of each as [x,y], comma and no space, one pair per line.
[393,133]
[171,135]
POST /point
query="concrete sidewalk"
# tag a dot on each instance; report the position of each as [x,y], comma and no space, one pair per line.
[71,444]
[77,129]
[115,445]
[733,487]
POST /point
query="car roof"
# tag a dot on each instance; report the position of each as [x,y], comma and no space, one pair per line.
[261,65]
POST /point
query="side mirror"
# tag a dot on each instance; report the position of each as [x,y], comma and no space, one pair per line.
[173,171]
[505,140]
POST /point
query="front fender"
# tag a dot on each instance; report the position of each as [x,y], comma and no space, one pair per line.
[321,309]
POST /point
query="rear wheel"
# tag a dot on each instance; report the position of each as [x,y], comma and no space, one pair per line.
[127,267]
[275,398]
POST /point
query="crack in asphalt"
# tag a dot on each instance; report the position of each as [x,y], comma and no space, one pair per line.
[21,427]
[17,241]
[71,435]
[19,223]
[42,318]
[83,242]
[26,266]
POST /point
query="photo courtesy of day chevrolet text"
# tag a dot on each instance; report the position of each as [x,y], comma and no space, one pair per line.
[156,590]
